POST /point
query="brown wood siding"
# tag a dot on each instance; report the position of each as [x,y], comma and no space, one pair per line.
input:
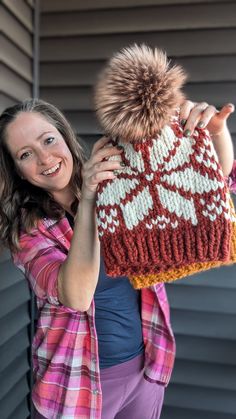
[16,20]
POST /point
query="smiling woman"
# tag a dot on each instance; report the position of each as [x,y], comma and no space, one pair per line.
[110,362]
[41,155]
[38,171]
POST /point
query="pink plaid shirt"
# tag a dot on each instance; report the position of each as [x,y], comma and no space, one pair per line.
[65,346]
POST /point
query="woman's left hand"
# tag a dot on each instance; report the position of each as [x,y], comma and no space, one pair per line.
[203,115]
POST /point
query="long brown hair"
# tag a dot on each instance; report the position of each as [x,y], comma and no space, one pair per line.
[21,203]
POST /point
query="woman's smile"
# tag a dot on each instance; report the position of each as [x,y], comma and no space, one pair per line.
[53,171]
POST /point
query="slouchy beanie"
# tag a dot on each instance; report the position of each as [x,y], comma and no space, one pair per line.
[168,212]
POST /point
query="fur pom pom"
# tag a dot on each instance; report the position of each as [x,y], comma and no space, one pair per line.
[137,93]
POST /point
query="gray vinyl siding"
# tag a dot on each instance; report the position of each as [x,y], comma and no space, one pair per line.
[77,37]
[16,81]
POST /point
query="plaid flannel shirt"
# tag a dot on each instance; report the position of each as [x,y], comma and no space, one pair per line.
[65,347]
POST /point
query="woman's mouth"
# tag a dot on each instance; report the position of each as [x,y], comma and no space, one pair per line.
[52,171]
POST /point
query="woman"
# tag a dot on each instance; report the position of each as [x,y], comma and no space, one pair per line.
[115,362]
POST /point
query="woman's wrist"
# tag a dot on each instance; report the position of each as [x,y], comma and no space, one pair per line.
[223,133]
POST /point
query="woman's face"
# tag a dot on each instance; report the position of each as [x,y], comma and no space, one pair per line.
[40,153]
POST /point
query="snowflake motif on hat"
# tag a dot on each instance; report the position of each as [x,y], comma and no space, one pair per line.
[168,177]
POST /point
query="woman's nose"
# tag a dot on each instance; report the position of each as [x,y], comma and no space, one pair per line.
[43,157]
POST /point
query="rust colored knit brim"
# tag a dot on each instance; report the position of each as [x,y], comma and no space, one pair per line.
[171,275]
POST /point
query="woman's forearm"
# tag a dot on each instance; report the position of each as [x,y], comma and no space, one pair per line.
[79,273]
[224,149]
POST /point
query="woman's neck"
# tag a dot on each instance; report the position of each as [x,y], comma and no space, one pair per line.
[65,199]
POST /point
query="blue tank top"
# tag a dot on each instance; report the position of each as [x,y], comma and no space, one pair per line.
[117,318]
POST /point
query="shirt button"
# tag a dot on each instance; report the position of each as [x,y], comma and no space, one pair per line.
[95,392]
[94,360]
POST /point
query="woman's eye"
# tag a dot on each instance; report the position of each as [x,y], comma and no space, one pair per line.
[25,155]
[49,140]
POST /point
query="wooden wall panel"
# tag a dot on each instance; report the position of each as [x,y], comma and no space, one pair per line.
[16,80]
[73,5]
[162,18]
[176,43]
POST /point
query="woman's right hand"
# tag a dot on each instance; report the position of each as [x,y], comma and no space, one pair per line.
[99,168]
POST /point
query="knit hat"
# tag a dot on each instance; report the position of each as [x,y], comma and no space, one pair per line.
[169,207]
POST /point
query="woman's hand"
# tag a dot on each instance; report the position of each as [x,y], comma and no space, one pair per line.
[202,115]
[207,116]
[98,168]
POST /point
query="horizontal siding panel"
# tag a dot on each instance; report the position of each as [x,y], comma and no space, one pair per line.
[200,398]
[170,412]
[10,376]
[210,69]
[69,98]
[84,122]
[89,139]
[10,275]
[21,412]
[15,31]
[139,20]
[10,351]
[30,3]
[14,297]
[204,374]
[219,277]
[69,74]
[4,253]
[195,323]
[81,98]
[72,5]
[5,102]
[199,69]
[14,399]
[15,321]
[206,349]
[15,59]
[219,41]
[217,93]
[13,85]
[22,11]
[220,300]
[16,46]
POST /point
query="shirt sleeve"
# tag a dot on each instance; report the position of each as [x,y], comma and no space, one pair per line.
[40,260]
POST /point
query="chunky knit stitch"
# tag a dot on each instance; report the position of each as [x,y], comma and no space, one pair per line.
[142,281]
[168,212]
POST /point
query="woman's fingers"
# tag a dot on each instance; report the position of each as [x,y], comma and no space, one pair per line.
[185,110]
[226,111]
[100,144]
[205,116]
[218,122]
[104,166]
[195,117]
[99,167]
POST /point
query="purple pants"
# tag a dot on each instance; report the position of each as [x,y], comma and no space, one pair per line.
[127,395]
